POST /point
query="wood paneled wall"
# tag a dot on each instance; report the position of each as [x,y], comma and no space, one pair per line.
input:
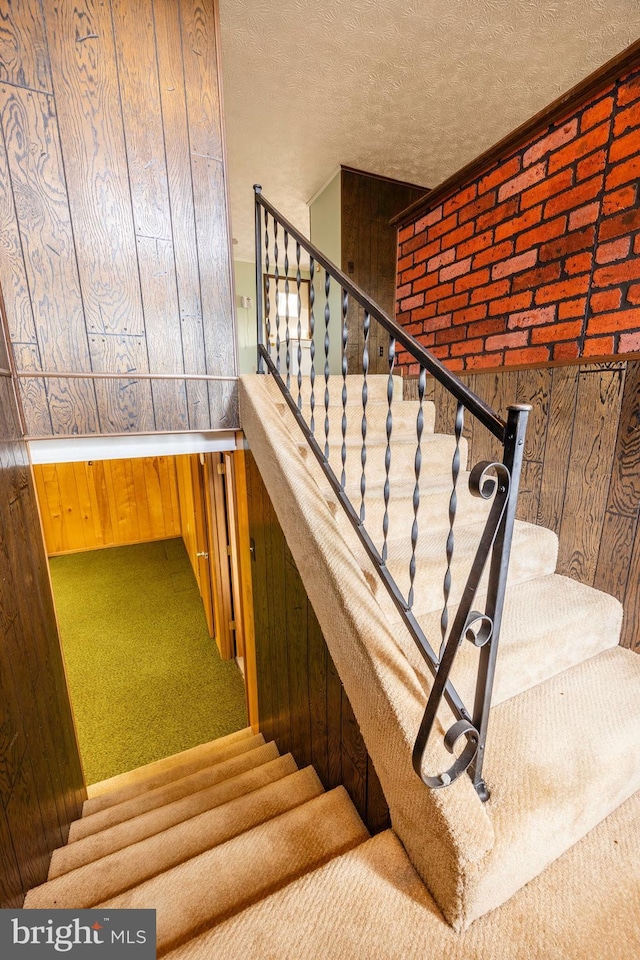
[41,782]
[301,702]
[369,254]
[113,213]
[581,475]
[105,503]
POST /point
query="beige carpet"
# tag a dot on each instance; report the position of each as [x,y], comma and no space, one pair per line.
[309,883]
[244,856]
[455,842]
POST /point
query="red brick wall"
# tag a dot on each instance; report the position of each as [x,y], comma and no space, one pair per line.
[538,259]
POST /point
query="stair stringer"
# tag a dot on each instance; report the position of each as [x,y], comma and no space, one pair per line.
[447,833]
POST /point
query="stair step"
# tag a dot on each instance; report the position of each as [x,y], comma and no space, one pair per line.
[228,878]
[124,869]
[376,388]
[560,758]
[433,513]
[533,554]
[549,625]
[171,768]
[370,903]
[107,841]
[174,790]
[437,451]
[211,749]
[404,417]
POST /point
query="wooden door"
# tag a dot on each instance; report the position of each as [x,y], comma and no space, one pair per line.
[241,572]
[216,517]
[203,556]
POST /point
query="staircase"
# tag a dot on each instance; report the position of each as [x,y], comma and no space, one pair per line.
[563,751]
[243,855]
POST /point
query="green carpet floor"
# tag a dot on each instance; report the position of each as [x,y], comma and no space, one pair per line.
[146,680]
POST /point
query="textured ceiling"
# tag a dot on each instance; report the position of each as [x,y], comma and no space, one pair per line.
[412,89]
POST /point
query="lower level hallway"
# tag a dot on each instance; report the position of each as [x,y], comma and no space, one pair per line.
[146,680]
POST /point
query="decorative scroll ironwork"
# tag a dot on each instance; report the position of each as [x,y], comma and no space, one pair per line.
[465,739]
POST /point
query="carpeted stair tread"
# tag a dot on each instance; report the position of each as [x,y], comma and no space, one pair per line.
[534,553]
[376,388]
[211,750]
[404,416]
[549,625]
[370,903]
[437,450]
[222,881]
[173,790]
[560,758]
[172,768]
[435,494]
[107,841]
[124,869]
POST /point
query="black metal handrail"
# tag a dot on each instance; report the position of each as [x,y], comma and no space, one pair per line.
[497,480]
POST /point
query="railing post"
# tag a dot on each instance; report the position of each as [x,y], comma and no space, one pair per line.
[257,189]
[512,459]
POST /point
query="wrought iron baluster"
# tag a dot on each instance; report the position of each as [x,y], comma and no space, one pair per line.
[276,276]
[345,334]
[312,345]
[299,302]
[287,334]
[497,480]
[365,397]
[422,379]
[453,506]
[327,318]
[267,282]
[259,278]
[387,452]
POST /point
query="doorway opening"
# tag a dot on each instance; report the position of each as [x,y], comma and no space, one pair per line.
[141,553]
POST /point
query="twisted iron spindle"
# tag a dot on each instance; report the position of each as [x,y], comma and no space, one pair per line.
[312,345]
[422,379]
[276,276]
[345,334]
[299,301]
[287,335]
[387,452]
[453,506]
[365,397]
[267,281]
[327,318]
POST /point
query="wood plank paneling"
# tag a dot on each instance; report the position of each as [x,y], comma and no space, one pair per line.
[302,704]
[104,503]
[113,209]
[581,473]
[88,105]
[144,138]
[562,411]
[590,464]
[46,243]
[41,785]
[24,60]
[369,255]
[175,125]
